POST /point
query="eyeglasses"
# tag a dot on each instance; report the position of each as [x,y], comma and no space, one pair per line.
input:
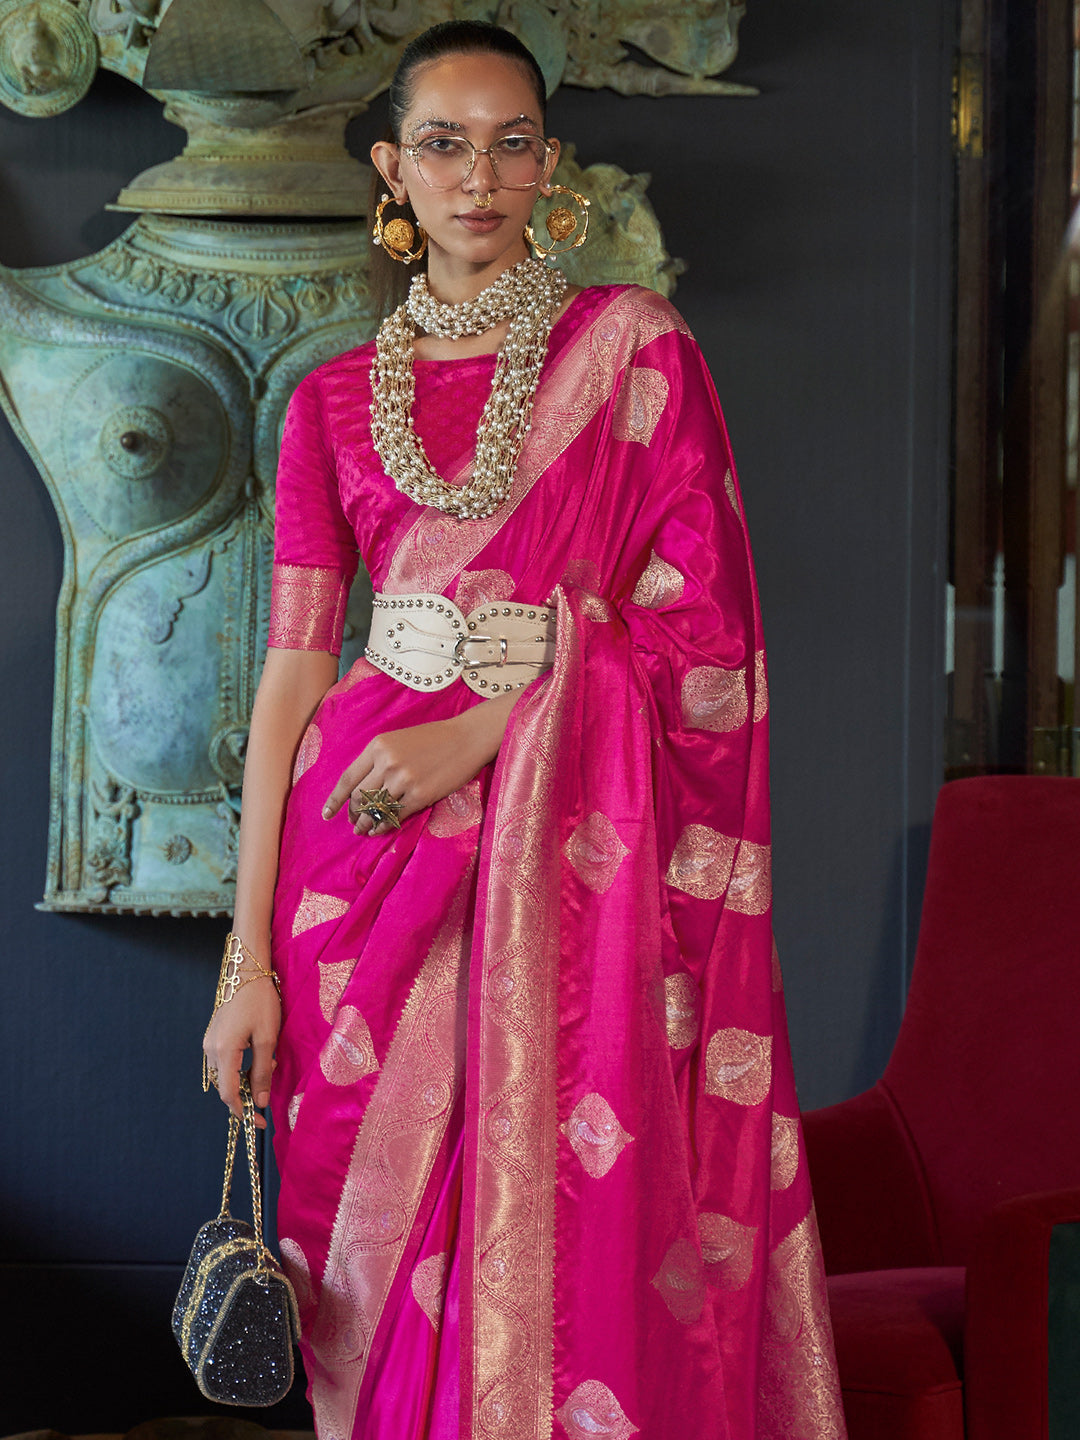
[447,161]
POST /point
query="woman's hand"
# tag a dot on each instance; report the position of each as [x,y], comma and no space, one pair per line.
[249,1021]
[421,764]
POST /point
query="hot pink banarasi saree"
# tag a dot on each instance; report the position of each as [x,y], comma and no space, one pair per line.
[541,1164]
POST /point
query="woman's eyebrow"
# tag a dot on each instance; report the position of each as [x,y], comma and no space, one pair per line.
[435,123]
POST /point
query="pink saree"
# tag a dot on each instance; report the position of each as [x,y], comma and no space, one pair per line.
[542,1172]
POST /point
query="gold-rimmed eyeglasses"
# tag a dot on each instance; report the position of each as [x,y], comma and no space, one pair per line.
[447,161]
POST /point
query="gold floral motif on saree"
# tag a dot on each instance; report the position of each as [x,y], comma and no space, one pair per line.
[682,1004]
[761,687]
[701,862]
[307,752]
[799,1391]
[429,1288]
[640,404]
[457,812]
[659,584]
[482,587]
[680,1282]
[738,1066]
[396,1145]
[348,1053]
[294,1109]
[750,890]
[307,608]
[714,698]
[573,388]
[591,1409]
[727,1248]
[334,975]
[596,852]
[594,1131]
[315,909]
[785,1152]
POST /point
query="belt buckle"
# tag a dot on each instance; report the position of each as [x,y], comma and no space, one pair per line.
[464,640]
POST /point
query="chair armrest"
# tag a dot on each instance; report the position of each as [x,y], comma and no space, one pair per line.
[1009,1284]
[872,1206]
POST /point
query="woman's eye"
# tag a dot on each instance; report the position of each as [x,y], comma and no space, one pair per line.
[514,144]
[441,145]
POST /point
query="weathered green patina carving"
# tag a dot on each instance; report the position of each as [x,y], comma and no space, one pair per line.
[149,381]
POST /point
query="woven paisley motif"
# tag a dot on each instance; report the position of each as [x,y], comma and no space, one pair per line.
[457,812]
[429,1287]
[594,1131]
[591,1410]
[681,1282]
[750,890]
[315,909]
[738,1066]
[785,1151]
[596,852]
[348,1053]
[701,862]
[658,584]
[682,1003]
[640,404]
[714,698]
[333,977]
[727,1248]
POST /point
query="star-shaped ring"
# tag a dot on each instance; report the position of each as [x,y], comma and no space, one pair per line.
[381,806]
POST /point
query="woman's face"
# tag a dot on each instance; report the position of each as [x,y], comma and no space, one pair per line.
[482,98]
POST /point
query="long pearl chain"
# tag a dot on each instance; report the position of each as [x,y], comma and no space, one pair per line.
[528,295]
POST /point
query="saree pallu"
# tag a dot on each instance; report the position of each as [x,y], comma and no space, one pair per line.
[542,1172]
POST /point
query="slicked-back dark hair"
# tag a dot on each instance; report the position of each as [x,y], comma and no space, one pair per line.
[389,278]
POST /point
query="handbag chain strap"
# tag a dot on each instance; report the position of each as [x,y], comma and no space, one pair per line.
[253,1169]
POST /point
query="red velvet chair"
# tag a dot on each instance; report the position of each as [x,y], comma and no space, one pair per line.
[939,1189]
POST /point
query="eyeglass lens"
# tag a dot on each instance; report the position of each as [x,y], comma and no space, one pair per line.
[444,161]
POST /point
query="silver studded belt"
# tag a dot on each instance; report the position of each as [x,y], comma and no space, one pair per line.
[427,643]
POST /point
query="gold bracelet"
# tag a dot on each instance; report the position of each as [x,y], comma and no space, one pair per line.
[232,979]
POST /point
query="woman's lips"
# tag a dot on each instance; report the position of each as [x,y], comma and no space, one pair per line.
[481,223]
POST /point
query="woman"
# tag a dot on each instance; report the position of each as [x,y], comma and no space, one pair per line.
[533,1102]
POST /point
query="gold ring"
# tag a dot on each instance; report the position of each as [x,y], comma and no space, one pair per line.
[381,806]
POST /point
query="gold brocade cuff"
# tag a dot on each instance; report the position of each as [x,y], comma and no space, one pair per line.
[307,608]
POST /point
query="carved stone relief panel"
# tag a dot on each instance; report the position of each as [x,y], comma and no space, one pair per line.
[149,383]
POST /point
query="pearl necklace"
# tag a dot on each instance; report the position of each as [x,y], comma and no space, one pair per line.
[528,295]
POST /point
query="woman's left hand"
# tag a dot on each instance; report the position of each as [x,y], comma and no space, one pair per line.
[421,764]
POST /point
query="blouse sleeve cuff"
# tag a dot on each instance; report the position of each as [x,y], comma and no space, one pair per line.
[307,608]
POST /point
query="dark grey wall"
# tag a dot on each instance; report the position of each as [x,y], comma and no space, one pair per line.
[815,219]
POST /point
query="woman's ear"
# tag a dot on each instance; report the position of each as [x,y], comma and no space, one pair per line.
[386,157]
[554,150]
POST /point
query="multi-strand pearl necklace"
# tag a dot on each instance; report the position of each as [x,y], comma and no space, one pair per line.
[528,295]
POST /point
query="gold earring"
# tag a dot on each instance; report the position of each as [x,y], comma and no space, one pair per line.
[397,236]
[562,224]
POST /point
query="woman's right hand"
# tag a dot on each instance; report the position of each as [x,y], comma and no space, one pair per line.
[249,1021]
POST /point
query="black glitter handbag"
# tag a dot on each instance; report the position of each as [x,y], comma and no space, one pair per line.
[235,1317]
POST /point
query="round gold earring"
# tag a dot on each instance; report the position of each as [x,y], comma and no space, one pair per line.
[397,236]
[561,224]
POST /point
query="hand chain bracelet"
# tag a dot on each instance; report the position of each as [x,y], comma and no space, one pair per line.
[231,980]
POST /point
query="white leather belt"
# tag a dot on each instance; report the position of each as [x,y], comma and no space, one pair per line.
[427,643]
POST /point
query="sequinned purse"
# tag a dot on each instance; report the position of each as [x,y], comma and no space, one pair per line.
[235,1317]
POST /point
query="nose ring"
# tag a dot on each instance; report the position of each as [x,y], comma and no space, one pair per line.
[481,202]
